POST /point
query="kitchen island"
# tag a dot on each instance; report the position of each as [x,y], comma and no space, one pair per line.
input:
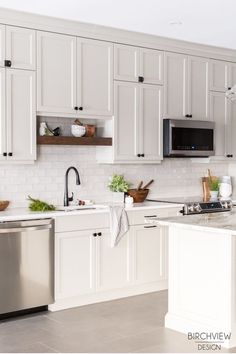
[202,276]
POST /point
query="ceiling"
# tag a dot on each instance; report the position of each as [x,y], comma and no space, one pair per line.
[202,21]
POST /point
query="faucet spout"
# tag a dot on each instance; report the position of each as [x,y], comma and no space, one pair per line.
[68,199]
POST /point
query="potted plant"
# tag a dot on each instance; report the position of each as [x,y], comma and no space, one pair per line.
[214,185]
[118,186]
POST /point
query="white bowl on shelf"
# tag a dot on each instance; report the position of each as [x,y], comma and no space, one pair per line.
[78,130]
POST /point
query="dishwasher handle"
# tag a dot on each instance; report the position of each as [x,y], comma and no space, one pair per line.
[24,229]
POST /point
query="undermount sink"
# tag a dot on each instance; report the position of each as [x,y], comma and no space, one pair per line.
[79,207]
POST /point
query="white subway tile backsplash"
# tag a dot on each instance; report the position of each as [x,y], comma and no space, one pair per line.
[45,178]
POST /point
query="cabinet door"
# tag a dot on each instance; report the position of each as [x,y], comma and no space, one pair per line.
[231,129]
[20,47]
[94,77]
[151,66]
[219,114]
[3,147]
[113,264]
[126,121]
[149,247]
[2,45]
[198,88]
[219,75]
[175,85]
[127,63]
[75,255]
[151,122]
[232,74]
[21,114]
[56,73]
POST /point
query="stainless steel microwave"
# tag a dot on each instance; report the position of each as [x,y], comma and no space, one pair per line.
[188,138]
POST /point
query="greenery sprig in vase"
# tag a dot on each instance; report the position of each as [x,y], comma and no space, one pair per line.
[118,185]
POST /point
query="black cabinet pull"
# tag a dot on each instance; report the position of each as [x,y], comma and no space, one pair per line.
[81,108]
[10,154]
[94,234]
[229,155]
[7,63]
[150,227]
[139,155]
[76,108]
[190,116]
[99,234]
[142,155]
[229,88]
[140,79]
[4,154]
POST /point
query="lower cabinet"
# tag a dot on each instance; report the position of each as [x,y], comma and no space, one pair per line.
[89,270]
[149,253]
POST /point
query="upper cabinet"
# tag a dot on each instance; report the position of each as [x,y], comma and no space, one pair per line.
[17,48]
[74,76]
[56,73]
[186,87]
[2,44]
[222,75]
[20,48]
[137,123]
[175,88]
[198,88]
[138,64]
[94,77]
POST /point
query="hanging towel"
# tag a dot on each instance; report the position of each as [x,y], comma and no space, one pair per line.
[119,224]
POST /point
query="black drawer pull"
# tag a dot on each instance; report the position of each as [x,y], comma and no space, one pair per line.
[150,227]
[150,216]
[140,79]
[7,63]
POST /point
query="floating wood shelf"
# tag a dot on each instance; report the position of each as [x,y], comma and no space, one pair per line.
[71,140]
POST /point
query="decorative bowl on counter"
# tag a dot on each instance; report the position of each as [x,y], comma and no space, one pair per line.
[3,204]
[139,195]
[78,130]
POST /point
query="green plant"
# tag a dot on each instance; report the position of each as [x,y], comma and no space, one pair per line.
[39,205]
[117,183]
[214,184]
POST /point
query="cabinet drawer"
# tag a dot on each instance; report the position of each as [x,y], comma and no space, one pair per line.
[137,217]
[81,222]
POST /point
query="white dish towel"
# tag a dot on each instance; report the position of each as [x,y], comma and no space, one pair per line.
[119,224]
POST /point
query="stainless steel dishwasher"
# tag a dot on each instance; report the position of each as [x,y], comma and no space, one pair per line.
[26,264]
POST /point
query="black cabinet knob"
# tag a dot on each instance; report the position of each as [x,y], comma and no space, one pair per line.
[10,154]
[229,155]
[139,155]
[190,116]
[229,88]
[142,155]
[94,234]
[7,63]
[187,115]
[76,108]
[140,79]
[80,108]
[99,234]
[4,154]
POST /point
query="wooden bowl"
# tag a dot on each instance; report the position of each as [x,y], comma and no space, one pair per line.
[3,204]
[138,195]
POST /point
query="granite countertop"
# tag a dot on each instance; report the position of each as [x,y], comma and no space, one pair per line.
[223,222]
[24,213]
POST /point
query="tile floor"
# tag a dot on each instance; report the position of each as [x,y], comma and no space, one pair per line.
[134,325]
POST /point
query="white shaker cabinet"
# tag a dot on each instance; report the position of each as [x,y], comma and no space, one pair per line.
[138,123]
[3,147]
[198,88]
[2,45]
[112,264]
[94,78]
[56,73]
[219,75]
[175,88]
[149,246]
[21,47]
[137,64]
[20,115]
[186,87]
[75,263]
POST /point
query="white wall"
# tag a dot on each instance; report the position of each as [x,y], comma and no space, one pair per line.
[45,179]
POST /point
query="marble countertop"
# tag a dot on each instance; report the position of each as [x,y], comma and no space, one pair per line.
[223,222]
[25,214]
